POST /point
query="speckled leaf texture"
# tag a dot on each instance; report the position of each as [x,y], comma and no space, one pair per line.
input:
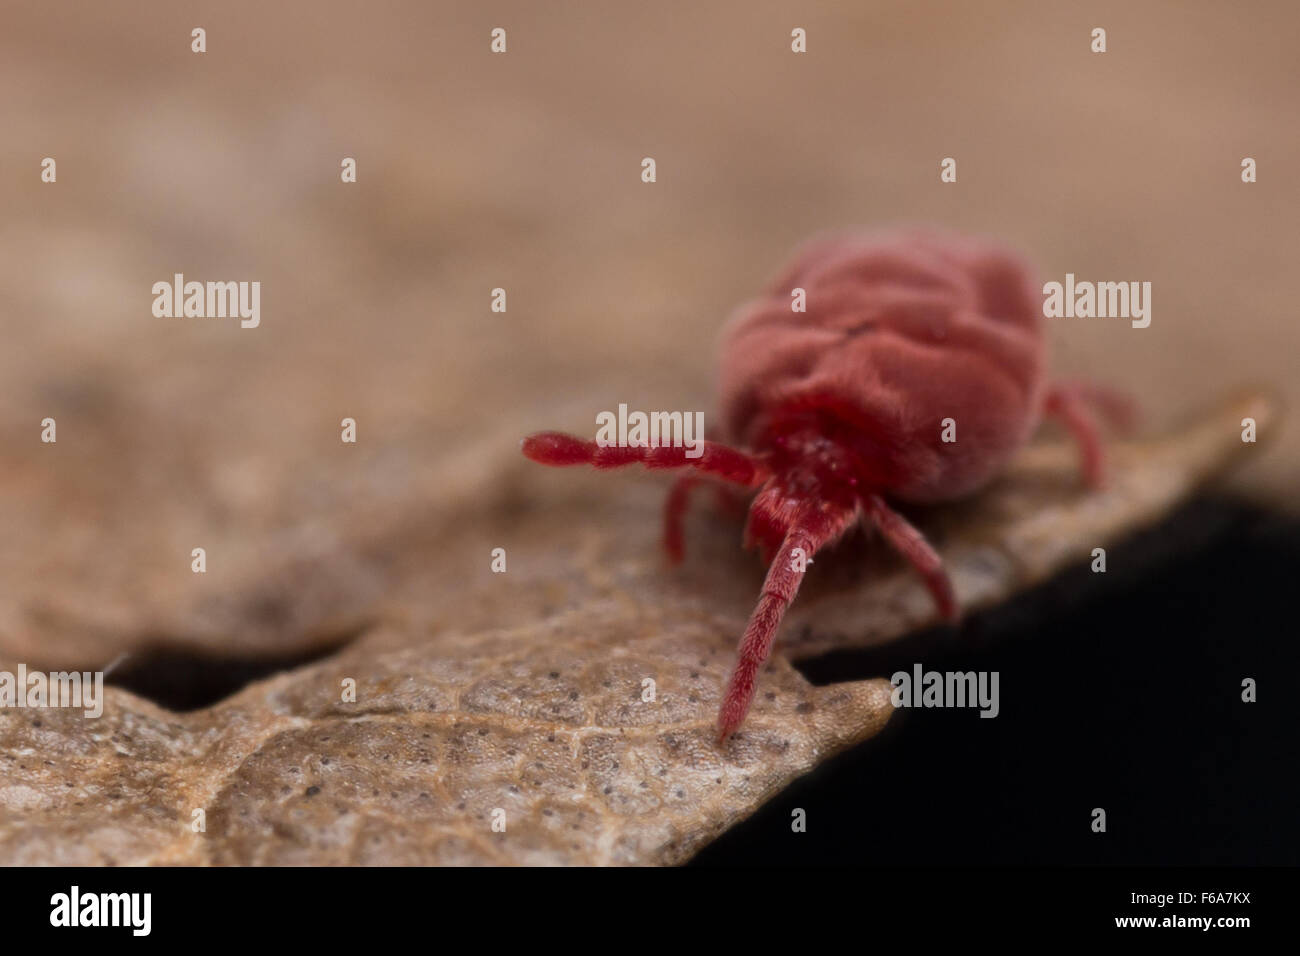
[517,698]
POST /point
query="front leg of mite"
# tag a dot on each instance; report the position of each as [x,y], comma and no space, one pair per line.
[814,528]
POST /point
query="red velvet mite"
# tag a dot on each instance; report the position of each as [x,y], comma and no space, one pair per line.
[842,407]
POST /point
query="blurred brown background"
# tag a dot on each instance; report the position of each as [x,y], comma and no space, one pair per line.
[523,171]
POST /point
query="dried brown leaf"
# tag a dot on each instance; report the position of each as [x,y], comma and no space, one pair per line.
[544,718]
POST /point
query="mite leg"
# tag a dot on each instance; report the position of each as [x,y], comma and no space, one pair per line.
[810,533]
[716,461]
[1118,408]
[720,461]
[911,544]
[1068,406]
[728,498]
[766,527]
[674,513]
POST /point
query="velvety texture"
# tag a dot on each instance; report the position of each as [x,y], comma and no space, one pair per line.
[901,330]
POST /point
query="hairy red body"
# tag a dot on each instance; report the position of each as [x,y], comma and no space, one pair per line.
[916,371]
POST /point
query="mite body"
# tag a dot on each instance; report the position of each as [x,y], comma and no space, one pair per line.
[917,370]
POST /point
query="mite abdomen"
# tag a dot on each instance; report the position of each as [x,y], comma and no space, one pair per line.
[902,332]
